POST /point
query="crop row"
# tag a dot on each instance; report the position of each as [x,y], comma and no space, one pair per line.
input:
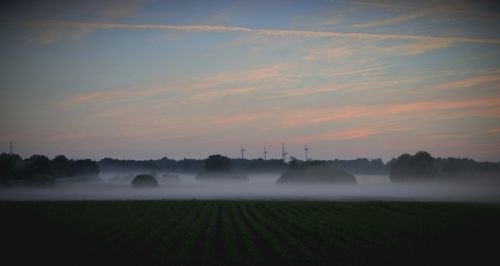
[248,232]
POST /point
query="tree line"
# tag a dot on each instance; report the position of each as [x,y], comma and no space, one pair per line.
[421,166]
[39,169]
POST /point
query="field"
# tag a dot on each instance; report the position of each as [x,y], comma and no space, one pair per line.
[249,233]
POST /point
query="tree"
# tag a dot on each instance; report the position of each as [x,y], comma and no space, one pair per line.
[417,167]
[38,165]
[9,167]
[217,163]
[61,166]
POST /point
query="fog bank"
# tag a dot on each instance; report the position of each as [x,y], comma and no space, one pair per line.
[259,187]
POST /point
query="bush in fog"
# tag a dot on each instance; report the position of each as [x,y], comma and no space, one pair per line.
[144,181]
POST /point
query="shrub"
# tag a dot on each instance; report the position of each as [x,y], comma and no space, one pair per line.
[144,181]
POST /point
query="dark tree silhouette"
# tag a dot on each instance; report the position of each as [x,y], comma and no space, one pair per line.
[38,165]
[217,163]
[15,170]
[418,167]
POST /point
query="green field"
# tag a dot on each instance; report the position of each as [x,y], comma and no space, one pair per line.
[249,233]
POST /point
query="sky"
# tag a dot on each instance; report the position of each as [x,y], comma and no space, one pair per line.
[187,79]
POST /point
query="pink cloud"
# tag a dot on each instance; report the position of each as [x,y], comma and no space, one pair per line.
[438,105]
[468,82]
[209,95]
[328,53]
[271,73]
[323,115]
[493,131]
[307,117]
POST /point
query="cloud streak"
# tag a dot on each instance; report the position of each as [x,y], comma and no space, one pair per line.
[468,82]
[349,134]
[324,115]
[394,20]
[262,32]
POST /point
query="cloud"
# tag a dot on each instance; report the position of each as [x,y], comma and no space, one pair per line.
[324,115]
[98,96]
[394,20]
[238,119]
[205,89]
[349,134]
[327,52]
[317,116]
[110,26]
[413,48]
[300,92]
[494,131]
[438,105]
[274,73]
[263,32]
[445,7]
[468,82]
[72,136]
[214,94]
[119,94]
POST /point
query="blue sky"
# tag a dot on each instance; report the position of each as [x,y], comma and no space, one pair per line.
[147,79]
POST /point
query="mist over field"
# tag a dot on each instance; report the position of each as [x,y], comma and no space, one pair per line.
[259,187]
[279,132]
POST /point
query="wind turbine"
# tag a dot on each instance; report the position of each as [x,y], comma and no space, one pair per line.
[306,150]
[265,153]
[242,152]
[283,152]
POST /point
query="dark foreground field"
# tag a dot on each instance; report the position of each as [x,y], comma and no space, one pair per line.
[249,233]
